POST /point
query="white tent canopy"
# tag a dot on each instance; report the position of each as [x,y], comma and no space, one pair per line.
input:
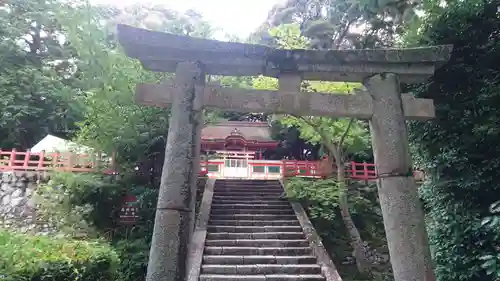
[52,144]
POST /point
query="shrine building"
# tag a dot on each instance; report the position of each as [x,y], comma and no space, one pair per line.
[234,149]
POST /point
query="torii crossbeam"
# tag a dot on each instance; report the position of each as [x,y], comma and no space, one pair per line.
[381,71]
[358,106]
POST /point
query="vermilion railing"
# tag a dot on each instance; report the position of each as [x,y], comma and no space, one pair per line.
[292,168]
[70,162]
[353,170]
[13,160]
[361,171]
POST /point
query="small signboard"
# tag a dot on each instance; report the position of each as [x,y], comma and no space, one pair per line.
[129,210]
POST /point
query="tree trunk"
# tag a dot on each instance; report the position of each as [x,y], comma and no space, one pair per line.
[356,241]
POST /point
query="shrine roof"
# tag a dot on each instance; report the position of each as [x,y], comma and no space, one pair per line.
[251,131]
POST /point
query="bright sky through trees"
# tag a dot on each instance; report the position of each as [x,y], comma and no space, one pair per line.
[235,17]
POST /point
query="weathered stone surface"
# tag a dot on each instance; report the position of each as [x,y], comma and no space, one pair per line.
[228,250]
[207,259]
[252,211]
[401,209]
[257,222]
[270,277]
[285,101]
[197,244]
[251,229]
[249,239]
[17,203]
[162,52]
[262,269]
[173,221]
[260,217]
[260,242]
[259,235]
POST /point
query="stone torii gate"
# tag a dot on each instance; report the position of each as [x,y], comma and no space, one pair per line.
[381,71]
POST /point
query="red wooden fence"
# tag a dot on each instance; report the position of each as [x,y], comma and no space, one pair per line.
[353,170]
[70,162]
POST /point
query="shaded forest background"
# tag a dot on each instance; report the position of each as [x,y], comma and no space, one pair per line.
[63,73]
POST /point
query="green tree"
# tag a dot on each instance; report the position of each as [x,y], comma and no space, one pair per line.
[113,121]
[344,24]
[459,148]
[337,136]
[34,70]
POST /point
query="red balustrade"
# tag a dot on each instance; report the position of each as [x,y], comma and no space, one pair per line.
[28,161]
[315,169]
[361,171]
[40,161]
[292,168]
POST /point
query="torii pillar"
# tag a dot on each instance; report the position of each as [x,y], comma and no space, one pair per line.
[398,195]
[383,105]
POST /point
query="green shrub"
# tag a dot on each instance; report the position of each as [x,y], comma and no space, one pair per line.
[459,148]
[320,200]
[40,258]
[80,205]
[87,205]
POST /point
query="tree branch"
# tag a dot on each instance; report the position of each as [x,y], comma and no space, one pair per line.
[344,135]
[329,145]
[338,40]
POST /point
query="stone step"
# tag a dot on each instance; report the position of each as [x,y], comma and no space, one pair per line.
[259,242]
[251,269]
[252,229]
[231,185]
[270,277]
[247,189]
[248,186]
[248,206]
[287,211]
[255,222]
[261,187]
[247,182]
[245,197]
[269,259]
[252,195]
[256,217]
[271,186]
[292,251]
[248,192]
[246,201]
[255,235]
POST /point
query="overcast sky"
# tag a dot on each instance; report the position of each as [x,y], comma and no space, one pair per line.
[237,17]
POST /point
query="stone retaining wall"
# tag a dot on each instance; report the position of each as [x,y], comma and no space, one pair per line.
[17,204]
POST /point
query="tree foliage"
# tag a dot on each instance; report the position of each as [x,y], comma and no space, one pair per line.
[36,96]
[26,258]
[334,135]
[62,72]
[324,131]
[113,121]
[334,24]
[460,147]
[321,200]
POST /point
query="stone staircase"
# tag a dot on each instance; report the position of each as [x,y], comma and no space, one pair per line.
[254,235]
